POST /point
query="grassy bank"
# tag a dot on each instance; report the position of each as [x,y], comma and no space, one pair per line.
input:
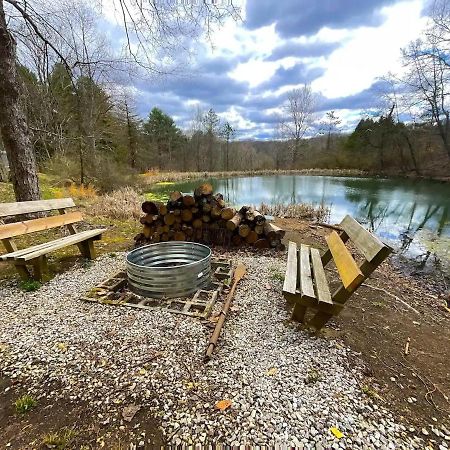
[153,177]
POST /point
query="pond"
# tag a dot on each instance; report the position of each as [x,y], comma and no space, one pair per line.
[411,215]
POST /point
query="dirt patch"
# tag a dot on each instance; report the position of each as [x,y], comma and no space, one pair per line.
[83,426]
[377,325]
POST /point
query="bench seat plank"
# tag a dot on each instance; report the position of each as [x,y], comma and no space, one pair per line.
[42,249]
[290,280]
[304,273]
[349,271]
[368,244]
[30,226]
[34,206]
[320,279]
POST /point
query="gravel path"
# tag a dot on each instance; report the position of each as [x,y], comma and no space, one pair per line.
[285,386]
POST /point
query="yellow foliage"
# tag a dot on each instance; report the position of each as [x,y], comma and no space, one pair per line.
[81,191]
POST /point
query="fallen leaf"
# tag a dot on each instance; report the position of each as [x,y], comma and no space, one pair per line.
[223,404]
[268,286]
[62,346]
[214,319]
[142,371]
[337,432]
[272,371]
[129,412]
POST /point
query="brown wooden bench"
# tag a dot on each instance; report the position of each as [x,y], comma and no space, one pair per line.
[36,255]
[306,284]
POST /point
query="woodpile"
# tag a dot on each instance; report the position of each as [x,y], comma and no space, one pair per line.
[204,217]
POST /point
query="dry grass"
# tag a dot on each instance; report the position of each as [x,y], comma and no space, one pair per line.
[305,211]
[125,203]
[153,176]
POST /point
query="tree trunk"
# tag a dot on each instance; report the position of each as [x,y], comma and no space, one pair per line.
[14,128]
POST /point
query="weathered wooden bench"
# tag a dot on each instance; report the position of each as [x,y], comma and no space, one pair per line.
[36,255]
[305,282]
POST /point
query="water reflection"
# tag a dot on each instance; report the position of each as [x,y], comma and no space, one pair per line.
[411,215]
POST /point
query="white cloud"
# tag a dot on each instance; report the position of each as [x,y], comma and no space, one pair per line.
[370,52]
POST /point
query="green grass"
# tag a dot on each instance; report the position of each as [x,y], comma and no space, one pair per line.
[24,404]
[275,274]
[313,376]
[59,440]
[30,285]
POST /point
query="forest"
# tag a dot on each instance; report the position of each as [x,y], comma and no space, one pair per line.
[63,111]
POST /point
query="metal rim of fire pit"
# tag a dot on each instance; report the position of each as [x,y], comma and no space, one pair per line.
[169,269]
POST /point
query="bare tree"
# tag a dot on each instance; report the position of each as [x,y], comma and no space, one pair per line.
[151,29]
[428,73]
[297,118]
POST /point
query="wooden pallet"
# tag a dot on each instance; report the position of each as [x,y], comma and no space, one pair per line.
[113,291]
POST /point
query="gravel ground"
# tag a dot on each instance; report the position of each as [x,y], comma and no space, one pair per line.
[285,387]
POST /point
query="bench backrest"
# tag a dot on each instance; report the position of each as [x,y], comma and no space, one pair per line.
[351,273]
[11,230]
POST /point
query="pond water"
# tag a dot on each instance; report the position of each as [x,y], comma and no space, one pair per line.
[411,215]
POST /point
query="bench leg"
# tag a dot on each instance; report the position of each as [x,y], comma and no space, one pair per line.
[23,271]
[87,249]
[319,320]
[298,313]
[40,267]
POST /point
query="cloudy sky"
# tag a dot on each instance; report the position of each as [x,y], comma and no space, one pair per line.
[341,47]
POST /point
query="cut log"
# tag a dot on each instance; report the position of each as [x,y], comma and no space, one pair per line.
[148,231]
[150,207]
[203,190]
[244,230]
[236,240]
[206,218]
[188,200]
[255,216]
[273,232]
[261,243]
[176,197]
[148,219]
[165,237]
[169,219]
[252,237]
[234,222]
[259,229]
[219,200]
[206,207]
[194,210]
[176,226]
[186,215]
[216,212]
[166,228]
[197,223]
[228,213]
[179,236]
[162,208]
[176,212]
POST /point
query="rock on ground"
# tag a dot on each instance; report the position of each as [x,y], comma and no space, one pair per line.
[285,386]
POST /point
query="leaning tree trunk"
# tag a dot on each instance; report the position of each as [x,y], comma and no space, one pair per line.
[14,128]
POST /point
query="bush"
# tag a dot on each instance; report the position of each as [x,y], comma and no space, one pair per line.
[124,203]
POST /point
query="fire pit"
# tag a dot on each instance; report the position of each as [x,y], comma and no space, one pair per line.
[169,269]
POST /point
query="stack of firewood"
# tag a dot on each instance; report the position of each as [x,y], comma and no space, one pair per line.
[204,217]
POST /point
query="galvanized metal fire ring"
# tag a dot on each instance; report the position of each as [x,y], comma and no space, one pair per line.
[169,269]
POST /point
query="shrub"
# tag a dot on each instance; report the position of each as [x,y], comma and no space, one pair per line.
[30,285]
[24,404]
[124,203]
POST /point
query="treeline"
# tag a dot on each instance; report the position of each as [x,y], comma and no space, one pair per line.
[88,134]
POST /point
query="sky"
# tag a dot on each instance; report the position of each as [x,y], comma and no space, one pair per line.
[340,47]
